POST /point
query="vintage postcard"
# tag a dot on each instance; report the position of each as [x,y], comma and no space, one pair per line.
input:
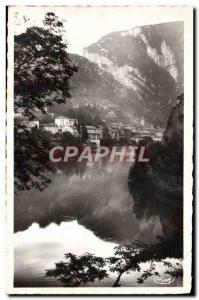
[99,150]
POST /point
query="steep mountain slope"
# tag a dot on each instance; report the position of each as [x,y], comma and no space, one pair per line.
[147,64]
[91,81]
[93,85]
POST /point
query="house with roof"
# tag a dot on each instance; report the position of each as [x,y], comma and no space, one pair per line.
[71,129]
[139,137]
[62,121]
[26,122]
[51,127]
[94,134]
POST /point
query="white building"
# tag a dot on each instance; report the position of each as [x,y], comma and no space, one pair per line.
[94,134]
[141,137]
[158,136]
[51,127]
[71,129]
[29,124]
[61,121]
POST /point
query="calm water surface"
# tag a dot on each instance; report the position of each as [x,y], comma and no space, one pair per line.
[78,213]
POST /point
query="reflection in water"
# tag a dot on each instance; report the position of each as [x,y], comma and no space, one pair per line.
[37,249]
[98,200]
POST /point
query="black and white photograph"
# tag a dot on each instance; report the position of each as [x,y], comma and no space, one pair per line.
[99,149]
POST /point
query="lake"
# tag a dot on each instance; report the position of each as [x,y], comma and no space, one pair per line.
[78,213]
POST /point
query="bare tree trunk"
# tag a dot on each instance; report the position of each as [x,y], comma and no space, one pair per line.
[116,283]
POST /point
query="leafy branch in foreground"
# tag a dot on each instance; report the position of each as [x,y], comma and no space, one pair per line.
[42,67]
[31,159]
[76,270]
[42,73]
[79,269]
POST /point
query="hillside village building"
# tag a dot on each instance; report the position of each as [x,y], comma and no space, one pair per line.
[62,124]
[116,130]
[62,121]
[71,129]
[94,134]
[29,124]
[51,127]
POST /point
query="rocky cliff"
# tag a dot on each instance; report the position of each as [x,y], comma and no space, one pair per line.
[141,69]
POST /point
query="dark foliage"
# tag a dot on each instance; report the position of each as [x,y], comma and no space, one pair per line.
[31,159]
[157,186]
[42,67]
[42,71]
[76,270]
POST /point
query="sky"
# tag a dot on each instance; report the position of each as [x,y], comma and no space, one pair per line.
[86,25]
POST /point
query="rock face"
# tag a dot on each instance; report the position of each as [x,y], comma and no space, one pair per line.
[93,82]
[174,130]
[140,69]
